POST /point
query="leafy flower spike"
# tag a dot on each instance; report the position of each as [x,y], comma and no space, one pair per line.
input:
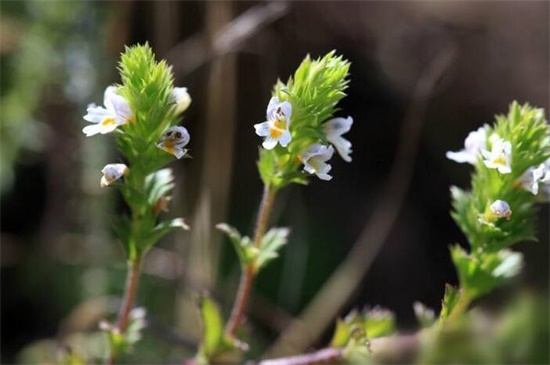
[112,172]
[276,128]
[315,160]
[173,141]
[334,128]
[499,156]
[116,112]
[181,99]
[473,145]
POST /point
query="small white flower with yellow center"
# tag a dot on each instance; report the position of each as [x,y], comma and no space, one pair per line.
[501,209]
[173,141]
[181,99]
[315,160]
[473,145]
[334,128]
[112,172]
[533,177]
[500,155]
[276,128]
[116,112]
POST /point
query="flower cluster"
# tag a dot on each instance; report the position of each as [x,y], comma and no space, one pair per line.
[117,112]
[314,157]
[499,157]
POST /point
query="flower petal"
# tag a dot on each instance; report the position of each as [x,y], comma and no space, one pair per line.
[285,138]
[462,156]
[181,98]
[269,143]
[262,129]
[272,106]
[338,126]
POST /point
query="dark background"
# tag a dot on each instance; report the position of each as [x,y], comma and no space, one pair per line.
[58,252]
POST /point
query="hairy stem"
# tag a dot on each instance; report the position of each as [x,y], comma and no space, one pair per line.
[132,279]
[247,276]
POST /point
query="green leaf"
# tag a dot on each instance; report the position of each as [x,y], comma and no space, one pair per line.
[484,271]
[158,185]
[215,347]
[212,320]
[373,323]
[341,334]
[246,252]
[378,322]
[270,244]
[450,299]
[160,231]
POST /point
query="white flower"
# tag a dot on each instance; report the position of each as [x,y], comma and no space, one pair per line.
[315,160]
[180,97]
[112,172]
[115,113]
[501,209]
[534,176]
[473,145]
[173,141]
[276,128]
[334,129]
[500,155]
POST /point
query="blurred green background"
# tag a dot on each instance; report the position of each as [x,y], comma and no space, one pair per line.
[61,268]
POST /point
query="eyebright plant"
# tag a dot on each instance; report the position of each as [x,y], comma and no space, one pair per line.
[299,137]
[142,113]
[511,173]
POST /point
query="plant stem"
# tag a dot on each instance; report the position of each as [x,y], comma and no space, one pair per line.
[247,276]
[460,307]
[328,355]
[132,279]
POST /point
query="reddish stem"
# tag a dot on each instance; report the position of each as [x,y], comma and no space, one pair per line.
[132,279]
[247,276]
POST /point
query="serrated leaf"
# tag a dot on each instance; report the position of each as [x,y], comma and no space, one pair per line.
[160,230]
[271,243]
[450,298]
[378,322]
[485,271]
[158,185]
[242,245]
[372,323]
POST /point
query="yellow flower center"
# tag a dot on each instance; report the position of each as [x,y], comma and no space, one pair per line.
[108,122]
[500,160]
[279,126]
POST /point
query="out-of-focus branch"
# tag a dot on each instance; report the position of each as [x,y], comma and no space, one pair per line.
[315,319]
[395,349]
[197,50]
